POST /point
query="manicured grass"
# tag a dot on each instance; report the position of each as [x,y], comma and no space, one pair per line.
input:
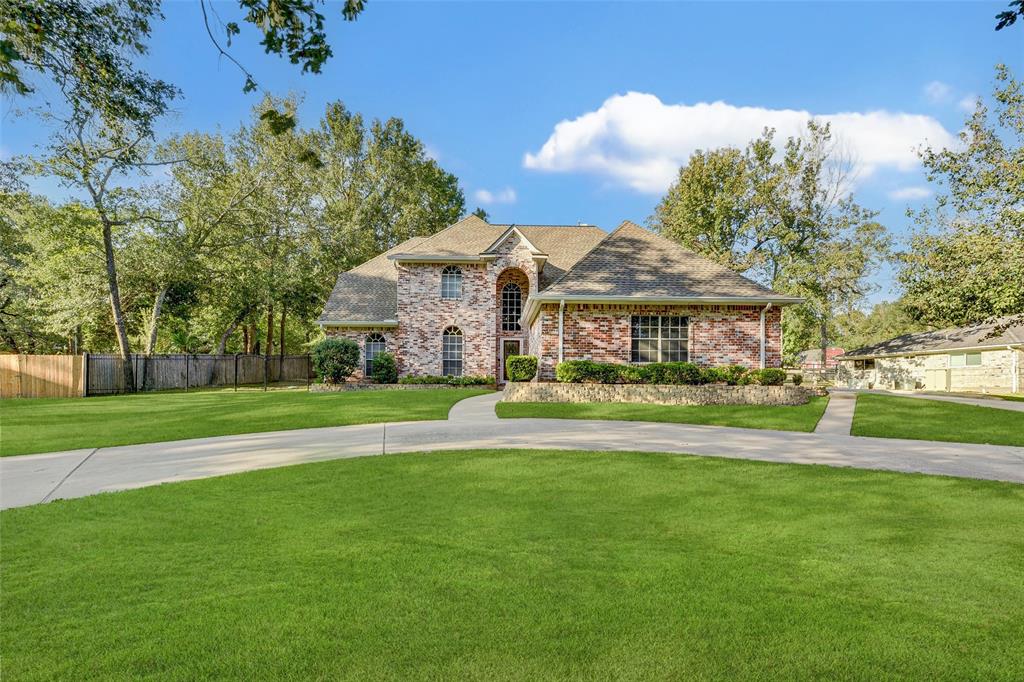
[522,565]
[780,418]
[886,416]
[30,426]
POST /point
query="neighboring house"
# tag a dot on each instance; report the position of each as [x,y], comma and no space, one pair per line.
[460,301]
[811,359]
[972,358]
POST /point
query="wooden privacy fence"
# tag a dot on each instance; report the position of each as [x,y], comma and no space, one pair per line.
[41,376]
[52,376]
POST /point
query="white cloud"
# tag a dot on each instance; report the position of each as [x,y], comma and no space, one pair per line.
[501,196]
[431,152]
[968,103]
[637,140]
[937,92]
[909,193]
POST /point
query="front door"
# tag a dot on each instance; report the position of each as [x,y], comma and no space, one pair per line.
[508,347]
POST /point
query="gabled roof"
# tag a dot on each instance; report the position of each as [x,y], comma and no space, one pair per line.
[956,338]
[634,263]
[367,293]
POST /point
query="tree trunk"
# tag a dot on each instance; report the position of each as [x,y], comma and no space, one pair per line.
[269,350]
[154,320]
[824,342]
[115,307]
[223,345]
[246,340]
[280,342]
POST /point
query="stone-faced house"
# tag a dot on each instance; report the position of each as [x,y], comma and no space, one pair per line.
[459,301]
[986,357]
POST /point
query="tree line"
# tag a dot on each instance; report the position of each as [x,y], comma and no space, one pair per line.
[786,215]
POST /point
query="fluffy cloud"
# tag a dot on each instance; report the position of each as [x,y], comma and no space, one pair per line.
[502,196]
[937,91]
[637,140]
[909,193]
[968,103]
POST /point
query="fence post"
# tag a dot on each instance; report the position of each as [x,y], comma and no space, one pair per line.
[186,372]
[266,359]
[307,371]
[236,372]
[85,375]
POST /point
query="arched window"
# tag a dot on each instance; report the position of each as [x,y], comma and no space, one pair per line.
[451,352]
[374,346]
[451,282]
[511,307]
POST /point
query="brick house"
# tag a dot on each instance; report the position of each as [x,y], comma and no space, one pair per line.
[460,301]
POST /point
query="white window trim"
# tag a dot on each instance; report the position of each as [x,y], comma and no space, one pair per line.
[660,339]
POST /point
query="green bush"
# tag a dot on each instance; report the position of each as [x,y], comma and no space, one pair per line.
[448,381]
[334,360]
[589,372]
[385,371]
[765,377]
[586,372]
[520,367]
[733,373]
[685,373]
[798,379]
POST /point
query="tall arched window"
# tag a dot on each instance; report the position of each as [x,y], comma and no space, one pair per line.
[373,347]
[451,352]
[511,307]
[451,282]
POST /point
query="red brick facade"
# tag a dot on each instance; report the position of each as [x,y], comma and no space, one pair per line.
[718,335]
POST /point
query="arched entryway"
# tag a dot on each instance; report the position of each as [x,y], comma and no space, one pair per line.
[511,290]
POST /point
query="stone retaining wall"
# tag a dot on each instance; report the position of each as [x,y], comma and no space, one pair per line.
[709,394]
[354,386]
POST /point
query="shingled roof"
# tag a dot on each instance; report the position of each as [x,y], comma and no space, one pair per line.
[368,292]
[632,262]
[957,338]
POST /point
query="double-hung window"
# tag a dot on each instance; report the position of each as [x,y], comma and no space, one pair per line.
[451,352]
[451,282]
[374,346]
[659,338]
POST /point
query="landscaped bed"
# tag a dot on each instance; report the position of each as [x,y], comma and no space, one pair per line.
[781,418]
[45,425]
[522,565]
[886,416]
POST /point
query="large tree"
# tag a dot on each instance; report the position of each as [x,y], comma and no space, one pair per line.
[965,263]
[783,217]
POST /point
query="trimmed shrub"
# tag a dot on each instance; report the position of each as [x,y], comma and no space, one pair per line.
[385,371]
[766,377]
[798,379]
[448,381]
[520,367]
[685,373]
[334,360]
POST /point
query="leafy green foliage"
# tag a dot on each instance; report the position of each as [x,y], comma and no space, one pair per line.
[1009,17]
[729,374]
[856,328]
[769,376]
[520,367]
[385,371]
[468,380]
[683,373]
[965,263]
[798,379]
[334,360]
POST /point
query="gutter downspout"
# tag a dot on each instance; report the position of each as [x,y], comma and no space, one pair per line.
[561,326]
[763,311]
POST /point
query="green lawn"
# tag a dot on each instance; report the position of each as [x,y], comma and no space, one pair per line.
[29,426]
[522,565]
[785,418]
[886,416]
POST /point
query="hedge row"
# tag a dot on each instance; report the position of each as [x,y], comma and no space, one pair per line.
[448,381]
[588,372]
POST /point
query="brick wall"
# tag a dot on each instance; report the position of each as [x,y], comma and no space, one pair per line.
[359,336]
[719,335]
[423,314]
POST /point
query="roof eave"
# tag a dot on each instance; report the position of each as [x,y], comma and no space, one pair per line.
[362,324]
[929,351]
[439,258]
[534,302]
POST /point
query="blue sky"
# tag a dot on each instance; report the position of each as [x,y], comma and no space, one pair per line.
[485,84]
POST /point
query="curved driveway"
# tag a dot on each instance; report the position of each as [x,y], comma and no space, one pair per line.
[31,479]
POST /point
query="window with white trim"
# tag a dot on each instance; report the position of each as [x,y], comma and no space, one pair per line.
[511,307]
[659,338]
[965,359]
[373,346]
[451,352]
[451,282]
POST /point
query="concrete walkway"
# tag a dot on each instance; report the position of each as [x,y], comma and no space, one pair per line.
[31,479]
[838,417]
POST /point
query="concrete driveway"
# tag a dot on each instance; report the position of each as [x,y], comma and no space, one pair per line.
[31,479]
